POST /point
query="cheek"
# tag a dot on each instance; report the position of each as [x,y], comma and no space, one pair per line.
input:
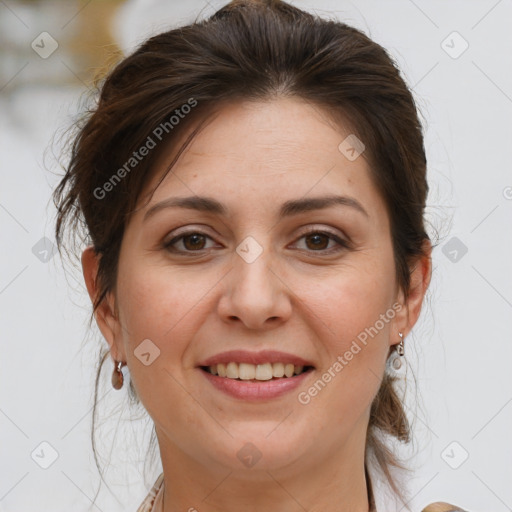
[354,316]
[350,301]
[355,309]
[155,302]
[154,306]
[152,309]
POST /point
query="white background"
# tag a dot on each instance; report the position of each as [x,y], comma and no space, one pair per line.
[460,352]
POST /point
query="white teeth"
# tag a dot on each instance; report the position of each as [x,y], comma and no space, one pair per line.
[246,371]
[232,371]
[264,371]
[278,370]
[221,370]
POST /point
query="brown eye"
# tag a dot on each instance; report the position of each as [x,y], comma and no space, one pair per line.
[192,241]
[196,241]
[318,241]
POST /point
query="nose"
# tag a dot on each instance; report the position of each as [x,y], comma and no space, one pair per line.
[255,294]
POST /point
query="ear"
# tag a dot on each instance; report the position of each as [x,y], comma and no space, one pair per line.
[105,314]
[421,273]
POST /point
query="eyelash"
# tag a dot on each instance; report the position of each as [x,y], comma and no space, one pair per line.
[342,243]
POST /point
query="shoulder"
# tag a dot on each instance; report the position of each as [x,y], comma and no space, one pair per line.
[441,506]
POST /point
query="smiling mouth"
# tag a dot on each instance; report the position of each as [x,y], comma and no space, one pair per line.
[256,372]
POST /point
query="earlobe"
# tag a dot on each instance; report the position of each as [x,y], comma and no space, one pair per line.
[104,314]
[400,319]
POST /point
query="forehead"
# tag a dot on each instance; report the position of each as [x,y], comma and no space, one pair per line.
[263,149]
[285,133]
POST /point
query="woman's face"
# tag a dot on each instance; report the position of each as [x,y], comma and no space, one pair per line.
[234,277]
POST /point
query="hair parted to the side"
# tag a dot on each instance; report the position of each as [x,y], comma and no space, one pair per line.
[251,50]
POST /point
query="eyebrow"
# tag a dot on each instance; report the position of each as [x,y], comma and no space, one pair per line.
[288,208]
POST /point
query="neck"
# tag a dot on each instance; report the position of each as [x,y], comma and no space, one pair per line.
[334,484]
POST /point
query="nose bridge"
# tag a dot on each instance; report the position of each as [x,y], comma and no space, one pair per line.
[254,294]
[252,274]
[252,263]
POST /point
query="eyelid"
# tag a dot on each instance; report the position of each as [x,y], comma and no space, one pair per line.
[322,229]
[187,230]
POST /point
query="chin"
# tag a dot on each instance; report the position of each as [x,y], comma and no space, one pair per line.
[261,447]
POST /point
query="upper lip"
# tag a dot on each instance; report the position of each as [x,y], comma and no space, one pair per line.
[263,356]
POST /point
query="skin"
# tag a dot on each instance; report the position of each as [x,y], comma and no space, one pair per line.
[295,297]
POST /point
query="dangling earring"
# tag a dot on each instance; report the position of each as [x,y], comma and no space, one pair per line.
[400,346]
[397,361]
[117,375]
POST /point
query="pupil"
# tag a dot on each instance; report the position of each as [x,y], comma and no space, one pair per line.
[194,238]
[316,236]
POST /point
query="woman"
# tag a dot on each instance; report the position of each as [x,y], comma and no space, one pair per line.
[253,189]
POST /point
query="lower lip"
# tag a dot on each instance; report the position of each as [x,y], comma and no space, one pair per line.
[256,391]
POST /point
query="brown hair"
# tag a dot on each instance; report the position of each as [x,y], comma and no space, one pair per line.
[252,50]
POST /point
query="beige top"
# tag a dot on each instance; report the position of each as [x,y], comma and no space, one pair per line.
[154,501]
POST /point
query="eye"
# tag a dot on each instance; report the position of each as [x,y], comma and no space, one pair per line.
[318,241]
[191,241]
